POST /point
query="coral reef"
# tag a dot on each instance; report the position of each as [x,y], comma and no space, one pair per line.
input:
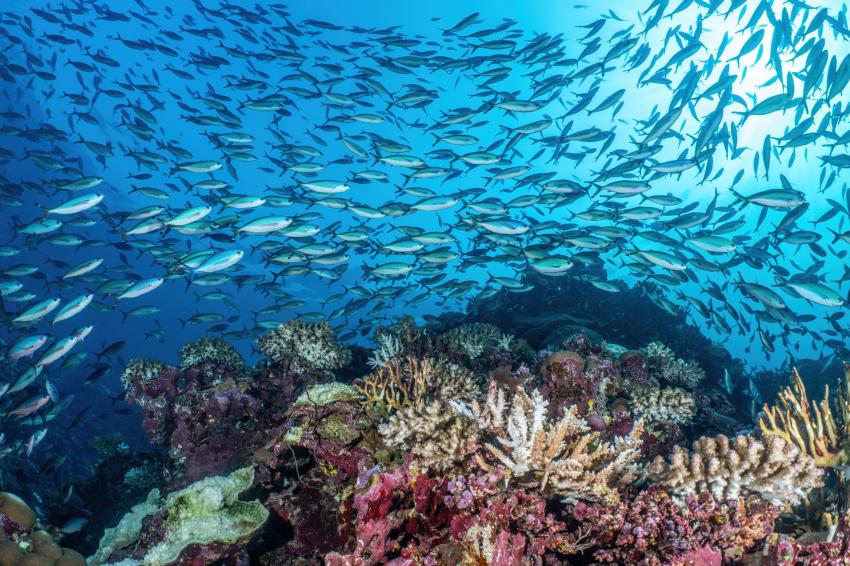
[728,468]
[202,522]
[651,528]
[564,454]
[568,456]
[21,544]
[311,346]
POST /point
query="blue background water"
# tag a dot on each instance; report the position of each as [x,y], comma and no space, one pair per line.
[42,101]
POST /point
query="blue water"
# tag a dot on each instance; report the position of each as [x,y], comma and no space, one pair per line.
[333,57]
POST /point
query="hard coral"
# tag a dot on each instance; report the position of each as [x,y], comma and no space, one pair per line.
[810,426]
[664,365]
[311,346]
[210,351]
[562,455]
[20,545]
[438,437]
[773,470]
[205,522]
[662,405]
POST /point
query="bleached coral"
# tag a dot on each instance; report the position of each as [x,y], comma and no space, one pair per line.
[210,350]
[437,436]
[728,468]
[311,346]
[563,455]
[143,370]
[660,405]
[664,365]
[476,338]
[389,346]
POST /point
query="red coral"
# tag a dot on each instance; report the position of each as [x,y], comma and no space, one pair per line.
[650,529]
[785,551]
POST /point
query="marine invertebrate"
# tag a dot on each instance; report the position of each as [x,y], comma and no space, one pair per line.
[310,345]
[664,365]
[206,515]
[437,436]
[141,370]
[811,426]
[772,469]
[649,528]
[473,339]
[406,381]
[662,404]
[210,350]
[21,545]
[561,455]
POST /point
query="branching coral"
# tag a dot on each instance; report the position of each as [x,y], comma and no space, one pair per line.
[811,426]
[436,435]
[407,381]
[728,468]
[662,405]
[311,346]
[210,350]
[664,365]
[562,455]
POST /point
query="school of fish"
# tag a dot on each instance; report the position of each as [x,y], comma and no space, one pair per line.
[347,173]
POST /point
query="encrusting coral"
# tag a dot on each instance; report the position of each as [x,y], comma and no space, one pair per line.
[774,470]
[563,455]
[659,405]
[207,516]
[811,426]
[310,345]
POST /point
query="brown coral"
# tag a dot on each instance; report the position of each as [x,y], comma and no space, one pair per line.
[27,547]
[811,426]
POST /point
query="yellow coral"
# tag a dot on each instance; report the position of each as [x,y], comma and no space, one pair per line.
[811,426]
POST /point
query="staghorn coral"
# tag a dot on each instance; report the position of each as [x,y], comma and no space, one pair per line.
[438,437]
[662,405]
[311,346]
[811,427]
[212,351]
[727,468]
[562,455]
[663,364]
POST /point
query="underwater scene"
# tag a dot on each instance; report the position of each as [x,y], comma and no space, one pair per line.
[456,283]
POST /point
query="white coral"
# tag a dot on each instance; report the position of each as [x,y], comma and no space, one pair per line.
[389,346]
